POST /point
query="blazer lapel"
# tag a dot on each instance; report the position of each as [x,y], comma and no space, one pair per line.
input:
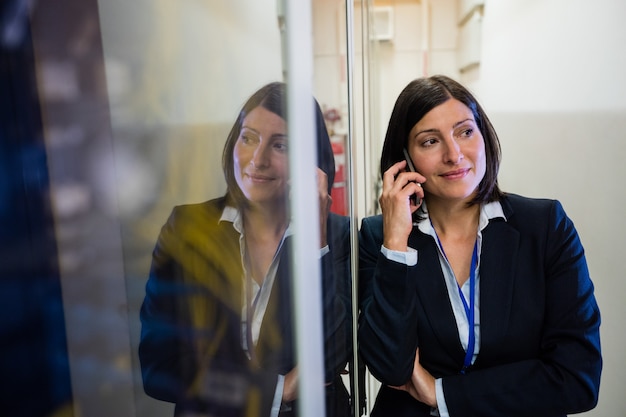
[275,343]
[433,295]
[498,257]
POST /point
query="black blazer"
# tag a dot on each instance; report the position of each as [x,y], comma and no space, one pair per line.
[190,349]
[540,344]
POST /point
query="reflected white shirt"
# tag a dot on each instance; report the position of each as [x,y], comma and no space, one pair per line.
[256,296]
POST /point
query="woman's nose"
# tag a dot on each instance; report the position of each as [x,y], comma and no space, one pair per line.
[453,155]
[259,157]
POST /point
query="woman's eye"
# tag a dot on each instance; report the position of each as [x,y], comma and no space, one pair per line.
[281,147]
[465,132]
[429,142]
[247,139]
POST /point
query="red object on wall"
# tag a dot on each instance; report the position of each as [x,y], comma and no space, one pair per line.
[339,191]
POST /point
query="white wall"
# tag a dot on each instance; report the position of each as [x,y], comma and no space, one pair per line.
[558,55]
[552,80]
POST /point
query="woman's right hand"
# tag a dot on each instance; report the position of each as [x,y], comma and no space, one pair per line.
[397,206]
[421,386]
[290,387]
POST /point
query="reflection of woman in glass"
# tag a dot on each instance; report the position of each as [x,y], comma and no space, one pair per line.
[217,328]
[474,302]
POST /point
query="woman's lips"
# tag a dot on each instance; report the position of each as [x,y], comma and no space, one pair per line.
[259,178]
[456,174]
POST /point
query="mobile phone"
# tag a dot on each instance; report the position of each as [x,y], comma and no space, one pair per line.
[409,163]
[411,168]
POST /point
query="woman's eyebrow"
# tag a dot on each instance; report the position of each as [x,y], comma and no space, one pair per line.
[435,130]
[256,132]
[249,128]
[457,124]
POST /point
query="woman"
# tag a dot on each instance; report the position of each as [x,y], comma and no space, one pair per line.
[217,328]
[474,302]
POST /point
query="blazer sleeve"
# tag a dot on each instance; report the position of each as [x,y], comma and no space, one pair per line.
[563,377]
[387,333]
[336,298]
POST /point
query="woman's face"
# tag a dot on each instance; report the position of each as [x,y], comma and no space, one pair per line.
[447,148]
[260,157]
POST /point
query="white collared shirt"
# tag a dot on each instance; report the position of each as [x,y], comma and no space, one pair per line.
[487,212]
[257,296]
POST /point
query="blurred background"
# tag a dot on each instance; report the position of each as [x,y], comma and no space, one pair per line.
[112,112]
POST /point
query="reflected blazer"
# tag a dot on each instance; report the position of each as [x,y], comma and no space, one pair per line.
[191,339]
[540,345]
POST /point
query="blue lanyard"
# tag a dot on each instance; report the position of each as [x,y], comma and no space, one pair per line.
[469,309]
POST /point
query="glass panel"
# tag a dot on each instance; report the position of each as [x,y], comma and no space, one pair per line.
[346,65]
[132,104]
[334,86]
[178,74]
[243,298]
